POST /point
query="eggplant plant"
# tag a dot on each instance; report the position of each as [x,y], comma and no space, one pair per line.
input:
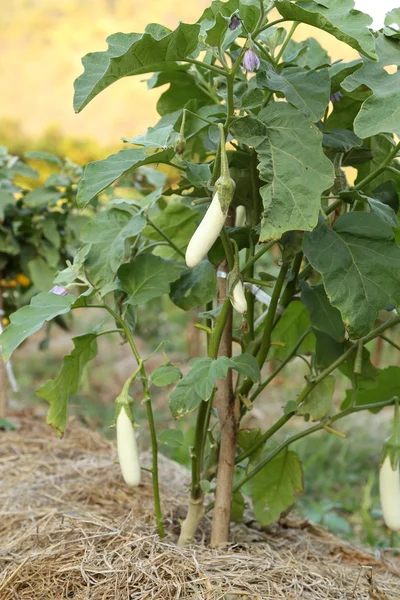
[260,230]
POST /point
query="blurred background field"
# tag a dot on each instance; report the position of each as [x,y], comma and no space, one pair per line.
[42,42]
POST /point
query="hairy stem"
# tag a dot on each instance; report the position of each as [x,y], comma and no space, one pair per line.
[165,237]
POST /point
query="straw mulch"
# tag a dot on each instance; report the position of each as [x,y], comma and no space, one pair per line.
[69,528]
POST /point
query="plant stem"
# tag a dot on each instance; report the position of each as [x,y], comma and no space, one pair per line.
[226,242]
[293,28]
[259,254]
[281,366]
[265,436]
[150,417]
[205,66]
[166,238]
[259,282]
[379,169]
[391,342]
[269,319]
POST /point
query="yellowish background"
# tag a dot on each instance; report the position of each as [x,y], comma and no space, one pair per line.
[42,42]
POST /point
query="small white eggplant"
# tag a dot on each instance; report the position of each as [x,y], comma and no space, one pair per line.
[389,488]
[206,233]
[240,220]
[238,300]
[128,452]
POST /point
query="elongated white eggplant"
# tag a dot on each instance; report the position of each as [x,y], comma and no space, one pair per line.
[389,488]
[240,220]
[206,233]
[238,301]
[128,453]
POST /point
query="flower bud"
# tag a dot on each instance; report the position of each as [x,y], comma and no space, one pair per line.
[235,23]
[59,290]
[251,62]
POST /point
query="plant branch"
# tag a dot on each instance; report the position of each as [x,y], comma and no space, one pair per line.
[165,237]
[286,42]
[259,254]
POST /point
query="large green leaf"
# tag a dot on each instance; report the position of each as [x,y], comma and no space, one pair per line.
[198,385]
[29,319]
[58,391]
[108,233]
[323,316]
[387,386]
[276,486]
[133,54]
[319,401]
[360,264]
[307,90]
[102,173]
[337,17]
[147,277]
[290,327]
[195,287]
[380,112]
[42,196]
[292,162]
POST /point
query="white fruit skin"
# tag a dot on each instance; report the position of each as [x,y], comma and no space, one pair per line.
[238,301]
[240,220]
[389,488]
[206,233]
[128,453]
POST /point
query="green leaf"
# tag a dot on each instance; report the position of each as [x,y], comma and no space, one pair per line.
[340,140]
[133,54]
[276,486]
[41,274]
[379,146]
[108,234]
[165,375]
[198,174]
[336,17]
[29,319]
[308,54]
[323,316]
[386,386]
[195,287]
[171,437]
[248,437]
[380,112]
[292,162]
[58,391]
[42,196]
[147,277]
[6,199]
[237,509]
[307,90]
[318,403]
[198,385]
[45,156]
[102,173]
[360,264]
[176,221]
[392,18]
[293,323]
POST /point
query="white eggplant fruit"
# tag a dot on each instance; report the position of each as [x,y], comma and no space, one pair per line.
[128,452]
[206,233]
[240,220]
[389,489]
[238,299]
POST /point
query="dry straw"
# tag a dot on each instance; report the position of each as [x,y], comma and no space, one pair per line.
[69,528]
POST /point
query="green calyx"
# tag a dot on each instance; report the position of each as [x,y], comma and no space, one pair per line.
[180,144]
[225,185]
[125,402]
[234,276]
[391,447]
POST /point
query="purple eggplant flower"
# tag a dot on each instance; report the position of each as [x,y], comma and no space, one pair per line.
[235,23]
[59,290]
[336,97]
[251,62]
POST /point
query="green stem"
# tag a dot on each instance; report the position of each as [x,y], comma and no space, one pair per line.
[269,319]
[286,42]
[391,342]
[230,257]
[259,254]
[110,331]
[259,282]
[379,169]
[205,66]
[265,436]
[165,237]
[281,366]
